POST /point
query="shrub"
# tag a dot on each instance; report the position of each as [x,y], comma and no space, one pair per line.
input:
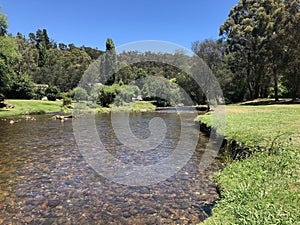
[52,92]
[127,93]
[67,101]
[107,94]
[164,92]
[80,94]
[21,87]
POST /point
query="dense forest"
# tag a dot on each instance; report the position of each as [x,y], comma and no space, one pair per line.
[257,56]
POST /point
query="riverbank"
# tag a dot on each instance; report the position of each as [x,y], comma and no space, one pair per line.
[35,107]
[264,188]
[30,107]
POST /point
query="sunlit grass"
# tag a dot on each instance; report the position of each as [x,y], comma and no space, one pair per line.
[141,106]
[265,188]
[30,107]
[258,125]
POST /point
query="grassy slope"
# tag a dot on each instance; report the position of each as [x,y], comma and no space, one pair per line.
[26,107]
[265,188]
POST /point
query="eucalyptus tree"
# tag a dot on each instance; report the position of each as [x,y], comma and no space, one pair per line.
[247,32]
[289,35]
[28,62]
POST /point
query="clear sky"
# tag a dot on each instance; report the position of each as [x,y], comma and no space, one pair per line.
[90,22]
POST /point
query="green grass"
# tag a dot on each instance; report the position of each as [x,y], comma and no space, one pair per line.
[30,107]
[132,106]
[136,106]
[264,188]
[33,107]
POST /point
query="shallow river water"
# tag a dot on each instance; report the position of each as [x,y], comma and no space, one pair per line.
[44,179]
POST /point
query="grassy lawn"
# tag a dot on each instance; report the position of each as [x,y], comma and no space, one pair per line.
[265,188]
[30,107]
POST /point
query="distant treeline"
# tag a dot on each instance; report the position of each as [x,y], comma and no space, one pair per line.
[256,56]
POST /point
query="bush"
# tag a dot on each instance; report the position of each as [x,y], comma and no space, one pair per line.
[95,93]
[127,93]
[21,87]
[107,94]
[164,92]
[67,101]
[52,92]
[80,94]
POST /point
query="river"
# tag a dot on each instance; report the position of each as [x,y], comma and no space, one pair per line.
[44,178]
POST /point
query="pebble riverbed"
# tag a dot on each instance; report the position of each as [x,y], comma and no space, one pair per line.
[45,180]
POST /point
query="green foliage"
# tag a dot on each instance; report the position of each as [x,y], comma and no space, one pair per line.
[3,24]
[8,58]
[108,63]
[125,73]
[40,91]
[161,90]
[66,101]
[256,57]
[94,93]
[282,91]
[107,94]
[127,93]
[21,87]
[28,63]
[263,36]
[80,94]
[64,68]
[139,106]
[140,74]
[52,92]
[93,53]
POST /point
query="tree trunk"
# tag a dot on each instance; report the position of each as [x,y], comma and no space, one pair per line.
[276,87]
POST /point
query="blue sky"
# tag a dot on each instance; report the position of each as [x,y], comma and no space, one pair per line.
[89,23]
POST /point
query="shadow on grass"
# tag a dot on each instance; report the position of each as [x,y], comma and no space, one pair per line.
[270,102]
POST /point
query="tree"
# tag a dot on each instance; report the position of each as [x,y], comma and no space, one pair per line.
[161,90]
[43,44]
[3,24]
[42,36]
[125,74]
[93,53]
[127,93]
[28,62]
[289,36]
[108,63]
[64,68]
[21,87]
[212,52]
[247,33]
[8,59]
